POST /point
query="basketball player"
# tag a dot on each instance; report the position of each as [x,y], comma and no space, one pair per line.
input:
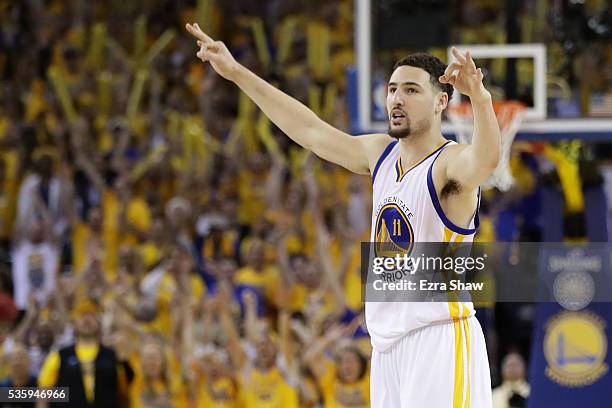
[427,354]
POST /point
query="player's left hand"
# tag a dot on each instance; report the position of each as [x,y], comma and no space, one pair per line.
[463,75]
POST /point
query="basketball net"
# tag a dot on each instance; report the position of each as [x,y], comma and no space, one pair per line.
[509,116]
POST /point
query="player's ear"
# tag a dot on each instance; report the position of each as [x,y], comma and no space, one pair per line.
[441,101]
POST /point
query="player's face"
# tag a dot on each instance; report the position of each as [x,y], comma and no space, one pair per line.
[411,101]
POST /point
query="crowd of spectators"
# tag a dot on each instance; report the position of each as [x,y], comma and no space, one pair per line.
[163,244]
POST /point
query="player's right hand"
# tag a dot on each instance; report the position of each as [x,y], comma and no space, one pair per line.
[214,52]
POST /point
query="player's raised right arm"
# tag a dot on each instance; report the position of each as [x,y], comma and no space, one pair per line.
[295,119]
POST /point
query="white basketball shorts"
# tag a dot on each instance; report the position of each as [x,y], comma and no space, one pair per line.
[439,366]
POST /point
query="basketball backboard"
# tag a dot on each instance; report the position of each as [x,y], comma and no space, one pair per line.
[550,115]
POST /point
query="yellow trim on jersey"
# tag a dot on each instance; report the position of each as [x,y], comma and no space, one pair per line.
[400,168]
[466,329]
[453,304]
[461,391]
[459,314]
[454,309]
[458,389]
[448,234]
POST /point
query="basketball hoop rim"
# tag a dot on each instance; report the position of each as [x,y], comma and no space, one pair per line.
[507,107]
[506,111]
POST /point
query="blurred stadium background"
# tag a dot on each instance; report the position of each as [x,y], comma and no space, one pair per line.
[145,200]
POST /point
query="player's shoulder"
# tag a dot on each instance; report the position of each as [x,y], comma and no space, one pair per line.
[374,145]
[451,153]
[374,139]
[451,150]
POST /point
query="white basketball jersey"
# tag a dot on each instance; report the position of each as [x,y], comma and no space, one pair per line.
[406,207]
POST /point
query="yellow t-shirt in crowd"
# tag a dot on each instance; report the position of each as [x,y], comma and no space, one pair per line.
[151,254]
[266,282]
[267,390]
[252,202]
[218,393]
[339,395]
[159,393]
[226,246]
[301,296]
[138,215]
[171,392]
[167,290]
[82,234]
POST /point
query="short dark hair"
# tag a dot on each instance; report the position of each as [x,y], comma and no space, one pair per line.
[432,65]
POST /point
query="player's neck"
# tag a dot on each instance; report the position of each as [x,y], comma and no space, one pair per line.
[416,146]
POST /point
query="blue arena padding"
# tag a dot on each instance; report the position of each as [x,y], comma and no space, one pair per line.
[595,214]
[552,214]
[352,99]
[570,360]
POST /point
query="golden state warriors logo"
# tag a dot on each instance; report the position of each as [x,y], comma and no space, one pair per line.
[575,347]
[394,235]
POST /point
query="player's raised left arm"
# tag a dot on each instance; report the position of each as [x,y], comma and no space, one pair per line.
[475,162]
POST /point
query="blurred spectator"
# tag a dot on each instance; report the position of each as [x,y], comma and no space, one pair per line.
[256,276]
[90,369]
[214,383]
[158,380]
[43,195]
[261,379]
[19,374]
[35,264]
[341,369]
[514,389]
